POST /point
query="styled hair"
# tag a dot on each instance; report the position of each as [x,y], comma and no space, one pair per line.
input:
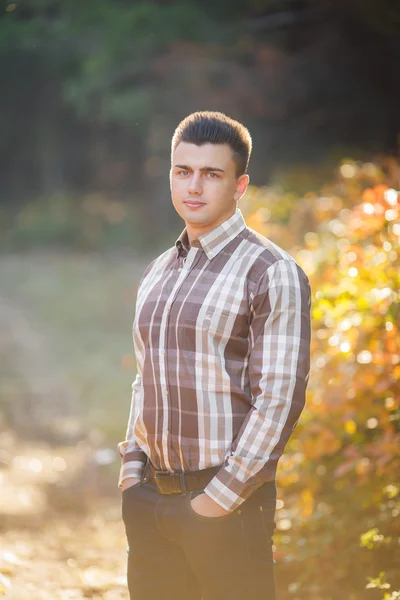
[212,127]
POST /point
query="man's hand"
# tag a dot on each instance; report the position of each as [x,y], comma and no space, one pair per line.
[205,506]
[127,483]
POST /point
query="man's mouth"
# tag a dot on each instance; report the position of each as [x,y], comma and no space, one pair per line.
[195,204]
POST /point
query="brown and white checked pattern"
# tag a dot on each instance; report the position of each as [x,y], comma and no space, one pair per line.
[222,341]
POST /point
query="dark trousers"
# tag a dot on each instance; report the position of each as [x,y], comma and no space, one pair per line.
[175,554]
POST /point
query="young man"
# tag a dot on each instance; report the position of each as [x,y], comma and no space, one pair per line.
[222,341]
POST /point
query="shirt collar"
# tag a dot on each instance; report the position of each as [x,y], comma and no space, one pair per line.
[215,240]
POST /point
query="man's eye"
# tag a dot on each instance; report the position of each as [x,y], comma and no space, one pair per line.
[183,172]
[213,175]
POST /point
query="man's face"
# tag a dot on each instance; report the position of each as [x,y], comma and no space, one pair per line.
[206,175]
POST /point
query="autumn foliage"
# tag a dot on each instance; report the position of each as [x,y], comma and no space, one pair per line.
[338,525]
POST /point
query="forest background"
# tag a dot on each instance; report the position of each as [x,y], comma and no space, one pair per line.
[91,94]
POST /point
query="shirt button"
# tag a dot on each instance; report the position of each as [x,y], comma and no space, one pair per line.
[162,351]
[180,269]
[166,392]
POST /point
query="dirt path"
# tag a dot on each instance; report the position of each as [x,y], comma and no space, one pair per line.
[66,558]
[58,538]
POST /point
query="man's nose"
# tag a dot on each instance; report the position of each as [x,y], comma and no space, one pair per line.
[195,185]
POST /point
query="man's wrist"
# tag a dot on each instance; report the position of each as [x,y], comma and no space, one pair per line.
[206,506]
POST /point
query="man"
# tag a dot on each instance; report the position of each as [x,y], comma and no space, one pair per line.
[222,341]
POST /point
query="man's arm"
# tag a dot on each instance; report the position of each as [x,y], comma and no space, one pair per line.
[133,457]
[279,366]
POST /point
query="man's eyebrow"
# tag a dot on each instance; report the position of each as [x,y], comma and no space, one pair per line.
[202,168]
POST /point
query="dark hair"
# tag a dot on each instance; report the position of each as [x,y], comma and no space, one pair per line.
[215,128]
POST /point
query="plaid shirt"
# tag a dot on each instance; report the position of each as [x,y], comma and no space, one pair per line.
[222,341]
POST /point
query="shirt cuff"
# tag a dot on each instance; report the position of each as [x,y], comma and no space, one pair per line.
[133,463]
[228,491]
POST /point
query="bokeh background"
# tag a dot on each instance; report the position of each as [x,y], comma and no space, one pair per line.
[91,93]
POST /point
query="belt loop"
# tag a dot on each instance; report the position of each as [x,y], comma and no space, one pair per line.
[183,482]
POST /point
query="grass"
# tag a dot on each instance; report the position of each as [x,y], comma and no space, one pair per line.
[83,306]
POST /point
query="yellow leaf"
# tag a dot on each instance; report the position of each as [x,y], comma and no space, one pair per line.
[350,426]
[307,502]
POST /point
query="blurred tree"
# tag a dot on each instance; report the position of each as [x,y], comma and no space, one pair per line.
[339,523]
[93,91]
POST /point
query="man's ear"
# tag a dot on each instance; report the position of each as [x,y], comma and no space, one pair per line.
[241,186]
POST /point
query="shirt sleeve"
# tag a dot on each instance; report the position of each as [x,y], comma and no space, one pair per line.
[133,458]
[279,364]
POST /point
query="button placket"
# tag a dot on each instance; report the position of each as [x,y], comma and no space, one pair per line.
[168,309]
